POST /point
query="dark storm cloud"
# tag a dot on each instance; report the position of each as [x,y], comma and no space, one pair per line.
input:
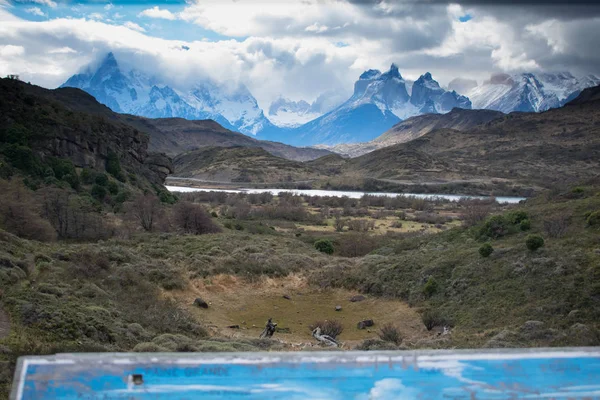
[561,9]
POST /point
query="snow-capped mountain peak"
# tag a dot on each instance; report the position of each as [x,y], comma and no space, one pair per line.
[529,91]
[428,96]
[135,93]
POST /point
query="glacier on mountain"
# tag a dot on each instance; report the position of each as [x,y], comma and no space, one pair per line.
[134,92]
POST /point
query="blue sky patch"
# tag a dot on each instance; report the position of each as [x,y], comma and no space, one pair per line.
[465,18]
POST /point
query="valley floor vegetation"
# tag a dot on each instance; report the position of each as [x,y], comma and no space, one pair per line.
[91,262]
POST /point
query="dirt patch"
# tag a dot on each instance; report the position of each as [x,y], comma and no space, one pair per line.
[233,301]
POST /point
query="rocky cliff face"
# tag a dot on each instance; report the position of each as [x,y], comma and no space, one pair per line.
[87,139]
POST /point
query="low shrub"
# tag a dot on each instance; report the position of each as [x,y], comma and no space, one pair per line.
[390,333]
[486,250]
[525,225]
[556,226]
[433,318]
[332,328]
[594,219]
[534,242]
[98,192]
[430,287]
[324,246]
[101,179]
[375,344]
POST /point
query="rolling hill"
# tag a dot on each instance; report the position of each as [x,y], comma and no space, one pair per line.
[544,149]
[240,164]
[414,127]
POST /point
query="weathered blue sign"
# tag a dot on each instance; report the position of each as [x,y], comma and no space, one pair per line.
[469,374]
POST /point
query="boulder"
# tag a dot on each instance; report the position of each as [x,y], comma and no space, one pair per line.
[338,308]
[285,296]
[234,327]
[365,324]
[200,303]
[357,298]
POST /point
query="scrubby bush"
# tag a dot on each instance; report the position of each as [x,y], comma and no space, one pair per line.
[356,244]
[101,179]
[516,217]
[332,328]
[113,188]
[87,176]
[192,218]
[113,166]
[486,250]
[534,242]
[430,287]
[61,167]
[556,226]
[474,211]
[19,214]
[167,197]
[375,344]
[501,225]
[360,225]
[72,180]
[433,318]
[390,333]
[324,246]
[594,219]
[98,192]
[525,225]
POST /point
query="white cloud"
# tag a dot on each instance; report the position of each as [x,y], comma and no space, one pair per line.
[391,389]
[108,7]
[35,11]
[134,26]
[157,12]
[63,50]
[316,28]
[11,51]
[96,16]
[292,49]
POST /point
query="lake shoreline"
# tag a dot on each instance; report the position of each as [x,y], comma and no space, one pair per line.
[477,188]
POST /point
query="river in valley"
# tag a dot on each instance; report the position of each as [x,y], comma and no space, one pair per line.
[341,193]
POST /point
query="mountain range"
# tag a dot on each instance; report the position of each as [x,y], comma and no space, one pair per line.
[528,92]
[463,151]
[379,101]
[133,92]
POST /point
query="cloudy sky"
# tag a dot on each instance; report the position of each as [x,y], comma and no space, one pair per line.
[298,49]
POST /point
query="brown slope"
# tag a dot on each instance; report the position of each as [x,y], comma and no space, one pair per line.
[420,125]
[177,135]
[545,149]
[240,164]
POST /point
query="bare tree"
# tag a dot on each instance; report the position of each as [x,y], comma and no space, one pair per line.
[146,210]
[192,218]
[339,223]
[556,226]
[55,208]
[475,211]
[19,213]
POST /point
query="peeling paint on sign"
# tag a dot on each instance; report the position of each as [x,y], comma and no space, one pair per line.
[466,374]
